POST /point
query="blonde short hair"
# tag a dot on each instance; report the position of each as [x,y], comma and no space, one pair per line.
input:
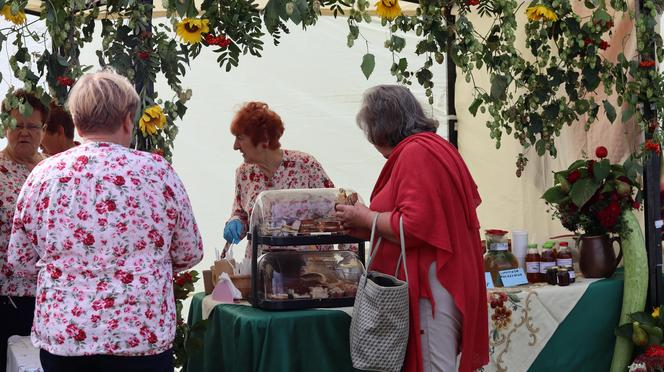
[100,101]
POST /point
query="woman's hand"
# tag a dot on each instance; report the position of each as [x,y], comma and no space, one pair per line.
[354,217]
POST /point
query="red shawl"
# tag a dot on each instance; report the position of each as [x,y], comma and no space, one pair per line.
[426,181]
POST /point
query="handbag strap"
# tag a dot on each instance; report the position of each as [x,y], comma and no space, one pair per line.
[373,249]
[402,240]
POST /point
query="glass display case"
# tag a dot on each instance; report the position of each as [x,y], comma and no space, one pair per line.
[298,212]
[286,273]
[296,280]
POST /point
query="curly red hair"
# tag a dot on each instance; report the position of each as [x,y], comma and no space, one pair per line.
[256,121]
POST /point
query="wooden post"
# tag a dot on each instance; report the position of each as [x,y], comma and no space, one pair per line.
[652,202]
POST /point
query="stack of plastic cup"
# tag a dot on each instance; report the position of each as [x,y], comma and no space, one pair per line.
[520,246]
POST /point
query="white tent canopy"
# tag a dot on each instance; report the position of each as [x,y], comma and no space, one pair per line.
[313,80]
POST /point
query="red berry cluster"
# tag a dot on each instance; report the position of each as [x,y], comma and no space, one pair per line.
[65,81]
[221,41]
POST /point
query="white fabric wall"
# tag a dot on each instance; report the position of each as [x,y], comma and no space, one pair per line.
[313,80]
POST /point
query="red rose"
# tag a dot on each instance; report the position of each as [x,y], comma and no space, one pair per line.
[573,176]
[152,338]
[587,41]
[109,302]
[119,181]
[144,55]
[133,341]
[80,336]
[110,205]
[89,240]
[3,169]
[156,238]
[168,192]
[473,2]
[65,179]
[76,311]
[54,271]
[128,278]
[601,152]
[603,45]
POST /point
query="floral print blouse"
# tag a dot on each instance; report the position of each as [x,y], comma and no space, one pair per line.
[12,177]
[298,170]
[102,228]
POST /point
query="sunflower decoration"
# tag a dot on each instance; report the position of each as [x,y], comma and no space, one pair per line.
[539,12]
[388,9]
[152,120]
[17,18]
[191,30]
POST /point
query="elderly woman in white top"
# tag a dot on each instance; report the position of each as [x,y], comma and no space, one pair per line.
[109,226]
[17,296]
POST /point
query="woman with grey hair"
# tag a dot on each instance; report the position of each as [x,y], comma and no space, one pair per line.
[109,226]
[426,182]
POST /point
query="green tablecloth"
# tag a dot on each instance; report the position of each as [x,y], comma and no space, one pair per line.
[243,339]
[584,341]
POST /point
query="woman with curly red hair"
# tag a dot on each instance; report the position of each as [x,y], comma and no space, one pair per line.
[267,166]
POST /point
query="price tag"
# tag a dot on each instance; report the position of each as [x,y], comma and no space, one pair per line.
[513,277]
[489,280]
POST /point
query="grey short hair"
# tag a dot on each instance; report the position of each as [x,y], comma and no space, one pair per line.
[100,101]
[390,113]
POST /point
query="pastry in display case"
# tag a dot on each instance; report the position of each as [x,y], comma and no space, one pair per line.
[296,280]
[297,212]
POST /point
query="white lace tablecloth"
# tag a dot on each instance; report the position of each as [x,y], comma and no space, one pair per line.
[523,319]
[22,356]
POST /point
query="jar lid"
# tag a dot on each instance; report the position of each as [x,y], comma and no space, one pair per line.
[552,268]
[563,244]
[532,245]
[563,268]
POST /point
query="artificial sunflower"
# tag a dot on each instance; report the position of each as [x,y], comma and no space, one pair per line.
[153,119]
[191,30]
[655,313]
[17,19]
[538,12]
[388,9]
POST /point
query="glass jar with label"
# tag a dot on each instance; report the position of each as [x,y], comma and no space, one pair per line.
[563,277]
[498,257]
[532,261]
[564,259]
[548,258]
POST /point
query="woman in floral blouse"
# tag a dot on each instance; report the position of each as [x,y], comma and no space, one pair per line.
[102,228]
[17,296]
[267,166]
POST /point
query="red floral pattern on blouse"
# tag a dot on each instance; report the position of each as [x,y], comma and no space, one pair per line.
[12,177]
[103,228]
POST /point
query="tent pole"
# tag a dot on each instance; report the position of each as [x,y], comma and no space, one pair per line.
[652,202]
[452,134]
[141,78]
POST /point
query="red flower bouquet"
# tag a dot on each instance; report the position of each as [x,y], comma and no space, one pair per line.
[591,195]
